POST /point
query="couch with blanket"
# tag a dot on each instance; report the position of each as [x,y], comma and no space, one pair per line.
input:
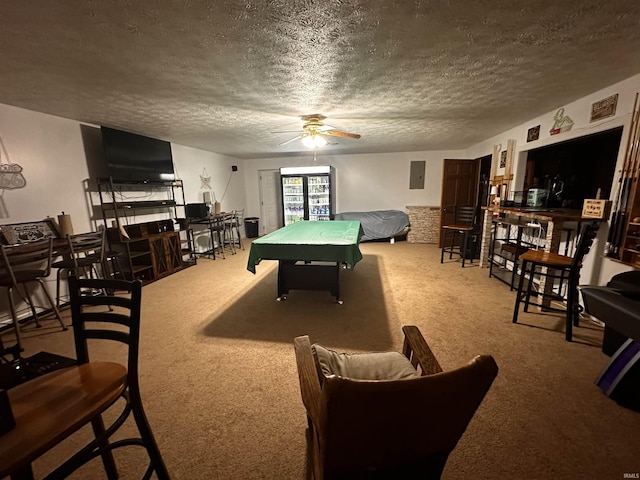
[379,224]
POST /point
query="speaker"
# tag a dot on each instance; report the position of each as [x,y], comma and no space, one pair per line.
[234,168]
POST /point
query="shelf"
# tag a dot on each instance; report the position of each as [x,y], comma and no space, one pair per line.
[141,268]
[152,249]
[141,204]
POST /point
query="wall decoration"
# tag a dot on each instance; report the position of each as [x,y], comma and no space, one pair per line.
[561,122]
[533,133]
[503,159]
[26,232]
[604,108]
[10,173]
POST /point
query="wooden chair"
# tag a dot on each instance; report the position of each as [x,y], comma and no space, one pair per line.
[465,229]
[85,252]
[386,415]
[553,267]
[52,407]
[21,265]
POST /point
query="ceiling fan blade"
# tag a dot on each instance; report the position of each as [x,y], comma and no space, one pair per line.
[291,140]
[335,133]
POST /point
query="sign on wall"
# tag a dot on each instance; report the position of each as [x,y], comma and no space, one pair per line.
[604,108]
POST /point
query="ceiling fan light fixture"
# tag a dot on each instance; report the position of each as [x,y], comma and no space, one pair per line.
[314,141]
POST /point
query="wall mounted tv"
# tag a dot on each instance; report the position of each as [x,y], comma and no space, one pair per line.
[136,158]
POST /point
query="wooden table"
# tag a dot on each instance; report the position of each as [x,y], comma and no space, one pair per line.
[50,408]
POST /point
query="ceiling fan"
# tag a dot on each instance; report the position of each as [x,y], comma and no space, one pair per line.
[314,131]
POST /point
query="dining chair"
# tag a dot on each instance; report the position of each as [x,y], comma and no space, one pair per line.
[54,406]
[85,251]
[563,271]
[389,414]
[20,266]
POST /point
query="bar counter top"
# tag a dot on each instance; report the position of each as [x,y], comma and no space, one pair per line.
[541,214]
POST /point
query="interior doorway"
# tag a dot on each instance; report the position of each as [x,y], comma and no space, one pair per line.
[460,179]
[269,181]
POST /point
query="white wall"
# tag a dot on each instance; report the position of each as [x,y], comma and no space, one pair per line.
[365,181]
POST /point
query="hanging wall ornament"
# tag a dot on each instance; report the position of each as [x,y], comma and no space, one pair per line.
[205,180]
[10,173]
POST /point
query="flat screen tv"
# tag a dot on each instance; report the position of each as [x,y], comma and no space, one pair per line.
[136,158]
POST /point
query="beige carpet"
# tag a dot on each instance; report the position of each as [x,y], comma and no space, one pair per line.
[220,386]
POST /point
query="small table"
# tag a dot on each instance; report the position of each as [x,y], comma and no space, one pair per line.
[309,254]
[49,408]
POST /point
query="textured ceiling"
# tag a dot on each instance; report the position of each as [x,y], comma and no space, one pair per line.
[225,75]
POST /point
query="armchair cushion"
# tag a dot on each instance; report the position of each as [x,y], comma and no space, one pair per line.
[362,366]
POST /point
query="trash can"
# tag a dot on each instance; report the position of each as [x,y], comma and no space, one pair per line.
[251,227]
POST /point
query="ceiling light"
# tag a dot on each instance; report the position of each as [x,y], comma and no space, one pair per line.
[314,141]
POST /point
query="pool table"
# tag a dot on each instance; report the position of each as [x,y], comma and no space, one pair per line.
[310,254]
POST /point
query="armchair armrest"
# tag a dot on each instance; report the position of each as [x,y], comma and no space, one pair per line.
[416,349]
[308,376]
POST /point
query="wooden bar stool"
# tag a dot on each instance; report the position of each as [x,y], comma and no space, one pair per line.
[556,267]
[461,232]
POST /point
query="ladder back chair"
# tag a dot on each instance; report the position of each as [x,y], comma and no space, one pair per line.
[553,267]
[52,407]
[21,265]
[85,251]
[386,415]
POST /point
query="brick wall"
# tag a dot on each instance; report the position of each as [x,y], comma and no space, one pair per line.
[425,224]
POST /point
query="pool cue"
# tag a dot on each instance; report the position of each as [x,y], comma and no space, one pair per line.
[625,185]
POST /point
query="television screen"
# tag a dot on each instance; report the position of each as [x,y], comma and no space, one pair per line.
[136,158]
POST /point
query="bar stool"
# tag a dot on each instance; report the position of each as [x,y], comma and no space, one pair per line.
[552,267]
[465,228]
[85,251]
[20,265]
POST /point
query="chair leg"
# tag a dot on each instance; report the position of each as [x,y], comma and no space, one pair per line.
[527,298]
[568,333]
[519,292]
[107,455]
[465,239]
[32,306]
[14,315]
[58,275]
[454,237]
[53,305]
[147,437]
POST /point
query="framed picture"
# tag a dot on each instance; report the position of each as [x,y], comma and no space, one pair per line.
[604,108]
[533,133]
[13,233]
[503,159]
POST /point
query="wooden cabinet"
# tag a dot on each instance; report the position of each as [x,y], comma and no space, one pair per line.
[152,251]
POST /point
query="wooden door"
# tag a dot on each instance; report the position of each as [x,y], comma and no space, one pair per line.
[460,180]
